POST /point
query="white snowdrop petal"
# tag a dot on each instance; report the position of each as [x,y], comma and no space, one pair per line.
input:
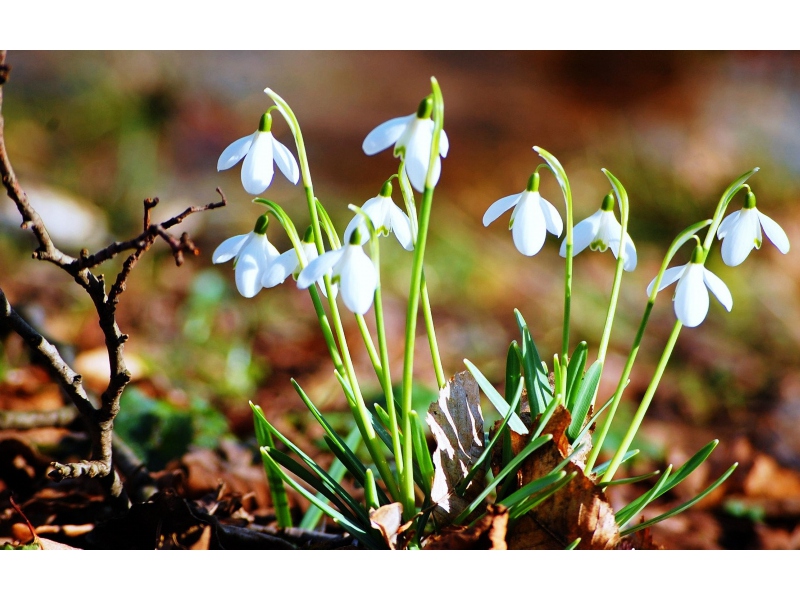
[499,207]
[583,234]
[285,161]
[234,152]
[691,296]
[529,227]
[385,134]
[417,158]
[444,144]
[229,248]
[670,276]
[358,279]
[630,260]
[258,168]
[279,269]
[740,239]
[401,226]
[248,270]
[318,267]
[552,219]
[719,289]
[356,221]
[774,232]
[727,223]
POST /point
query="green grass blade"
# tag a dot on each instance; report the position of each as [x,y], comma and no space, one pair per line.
[338,469]
[280,501]
[422,454]
[582,400]
[371,491]
[531,488]
[684,506]
[513,370]
[631,510]
[524,507]
[515,423]
[352,528]
[509,468]
[636,479]
[575,374]
[600,469]
[539,394]
[573,544]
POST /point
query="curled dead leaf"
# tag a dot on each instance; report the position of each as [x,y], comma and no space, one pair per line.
[456,423]
[489,533]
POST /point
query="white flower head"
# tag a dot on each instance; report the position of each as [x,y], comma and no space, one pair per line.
[253,254]
[600,232]
[691,294]
[259,150]
[385,216]
[740,232]
[351,268]
[532,218]
[288,264]
[411,136]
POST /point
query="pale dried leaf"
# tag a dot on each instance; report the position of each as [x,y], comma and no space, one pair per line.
[456,423]
[488,533]
[387,520]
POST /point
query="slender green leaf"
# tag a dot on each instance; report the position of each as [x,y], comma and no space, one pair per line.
[600,469]
[582,400]
[635,479]
[631,510]
[513,370]
[509,468]
[337,471]
[371,491]
[537,385]
[352,528]
[327,225]
[682,507]
[574,544]
[422,454]
[280,501]
[515,423]
[531,488]
[575,369]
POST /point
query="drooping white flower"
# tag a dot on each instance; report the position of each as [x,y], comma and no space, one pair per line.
[740,232]
[532,218]
[351,268]
[259,150]
[386,217]
[691,294]
[600,232]
[288,264]
[253,254]
[411,136]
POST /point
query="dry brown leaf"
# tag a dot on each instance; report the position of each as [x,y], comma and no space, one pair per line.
[767,479]
[387,519]
[204,541]
[456,423]
[489,533]
[578,510]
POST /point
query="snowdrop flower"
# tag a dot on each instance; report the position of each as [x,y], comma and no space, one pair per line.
[740,232]
[533,216]
[691,295]
[386,217]
[600,232]
[253,254]
[351,268]
[288,264]
[411,136]
[259,151]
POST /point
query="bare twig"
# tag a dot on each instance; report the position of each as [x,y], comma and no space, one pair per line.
[20,419]
[99,421]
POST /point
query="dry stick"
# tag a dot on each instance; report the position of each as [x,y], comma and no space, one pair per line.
[99,421]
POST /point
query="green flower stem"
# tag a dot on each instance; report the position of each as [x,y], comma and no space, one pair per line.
[407,481]
[555,167]
[679,241]
[360,411]
[644,405]
[370,346]
[385,377]
[430,329]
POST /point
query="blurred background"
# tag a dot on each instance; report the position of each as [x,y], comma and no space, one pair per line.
[91,134]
